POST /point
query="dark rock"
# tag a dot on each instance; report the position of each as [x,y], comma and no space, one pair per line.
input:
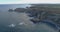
[20,10]
[34,21]
[10,10]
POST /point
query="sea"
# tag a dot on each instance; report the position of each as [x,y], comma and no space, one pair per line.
[20,22]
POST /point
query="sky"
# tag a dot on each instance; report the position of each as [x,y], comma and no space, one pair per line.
[29,1]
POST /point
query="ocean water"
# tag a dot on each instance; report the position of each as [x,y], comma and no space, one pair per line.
[19,22]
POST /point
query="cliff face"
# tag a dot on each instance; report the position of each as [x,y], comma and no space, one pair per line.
[20,10]
[41,12]
[51,8]
[44,12]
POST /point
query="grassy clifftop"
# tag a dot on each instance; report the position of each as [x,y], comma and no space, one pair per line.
[51,8]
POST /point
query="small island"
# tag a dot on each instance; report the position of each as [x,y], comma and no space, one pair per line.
[10,10]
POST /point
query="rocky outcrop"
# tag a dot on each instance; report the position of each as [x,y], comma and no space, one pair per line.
[10,10]
[20,10]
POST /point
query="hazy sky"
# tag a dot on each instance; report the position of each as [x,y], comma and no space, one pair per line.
[28,1]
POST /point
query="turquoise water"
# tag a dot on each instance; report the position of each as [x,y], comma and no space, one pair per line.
[19,22]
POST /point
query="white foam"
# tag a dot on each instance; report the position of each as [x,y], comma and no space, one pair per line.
[12,25]
[21,23]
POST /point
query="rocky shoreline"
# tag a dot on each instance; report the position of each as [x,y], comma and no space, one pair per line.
[43,13]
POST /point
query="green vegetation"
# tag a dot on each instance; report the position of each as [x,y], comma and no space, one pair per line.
[42,12]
